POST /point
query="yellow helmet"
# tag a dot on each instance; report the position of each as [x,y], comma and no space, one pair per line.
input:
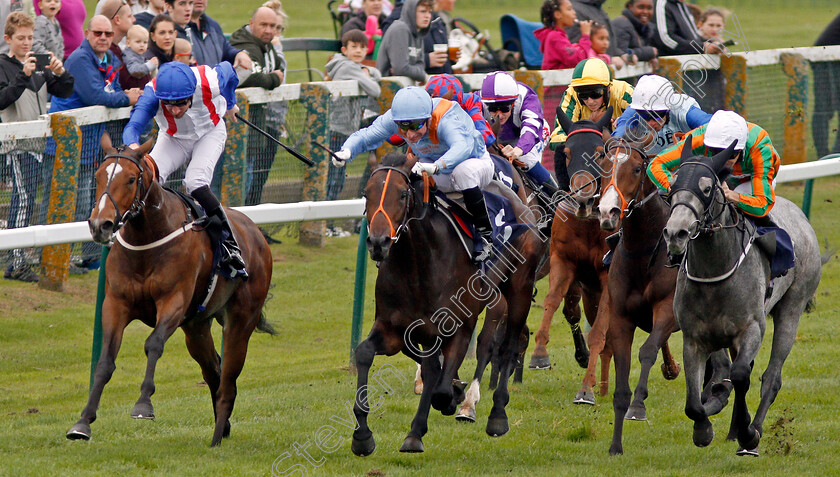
[591,72]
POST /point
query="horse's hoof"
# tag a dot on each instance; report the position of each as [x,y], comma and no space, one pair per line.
[670,373]
[747,452]
[466,415]
[703,433]
[363,447]
[418,387]
[635,413]
[752,440]
[584,397]
[616,450]
[79,431]
[442,401]
[143,411]
[412,444]
[497,426]
[582,359]
[539,362]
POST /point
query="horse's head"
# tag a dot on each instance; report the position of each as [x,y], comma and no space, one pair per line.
[388,201]
[626,182]
[123,182]
[584,157]
[695,196]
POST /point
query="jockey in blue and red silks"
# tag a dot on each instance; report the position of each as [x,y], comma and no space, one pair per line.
[188,104]
[449,87]
[447,146]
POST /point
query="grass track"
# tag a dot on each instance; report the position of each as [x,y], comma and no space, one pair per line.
[295,382]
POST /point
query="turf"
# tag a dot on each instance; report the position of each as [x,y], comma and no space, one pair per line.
[296,383]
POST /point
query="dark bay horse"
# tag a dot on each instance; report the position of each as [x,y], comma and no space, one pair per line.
[576,251]
[721,301]
[159,272]
[641,288]
[429,295]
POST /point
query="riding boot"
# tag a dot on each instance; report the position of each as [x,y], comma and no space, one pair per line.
[231,254]
[474,202]
[612,242]
[560,170]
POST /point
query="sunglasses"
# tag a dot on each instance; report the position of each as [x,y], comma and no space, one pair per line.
[652,115]
[501,107]
[176,102]
[594,94]
[118,10]
[411,125]
[107,34]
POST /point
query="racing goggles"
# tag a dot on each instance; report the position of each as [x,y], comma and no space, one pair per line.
[410,125]
[503,107]
[591,94]
[652,115]
[175,102]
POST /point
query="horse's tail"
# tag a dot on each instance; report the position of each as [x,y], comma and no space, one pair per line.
[824,258]
[264,326]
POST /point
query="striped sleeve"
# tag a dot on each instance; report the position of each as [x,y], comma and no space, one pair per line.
[761,162]
[661,167]
[569,107]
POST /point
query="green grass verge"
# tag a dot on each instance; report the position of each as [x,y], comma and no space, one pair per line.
[295,382]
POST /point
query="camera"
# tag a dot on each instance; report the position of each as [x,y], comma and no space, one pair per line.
[41,61]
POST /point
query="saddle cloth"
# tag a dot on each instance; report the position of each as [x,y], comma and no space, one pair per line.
[778,246]
[211,225]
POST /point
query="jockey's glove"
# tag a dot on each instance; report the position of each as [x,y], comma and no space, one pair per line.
[421,167]
[341,157]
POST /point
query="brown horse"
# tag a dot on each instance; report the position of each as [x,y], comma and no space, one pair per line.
[159,272]
[429,295]
[641,289]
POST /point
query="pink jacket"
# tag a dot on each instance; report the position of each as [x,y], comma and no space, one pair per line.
[591,53]
[558,52]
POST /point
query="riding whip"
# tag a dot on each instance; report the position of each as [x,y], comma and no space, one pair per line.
[325,148]
[291,151]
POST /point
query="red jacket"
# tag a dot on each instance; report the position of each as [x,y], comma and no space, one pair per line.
[558,52]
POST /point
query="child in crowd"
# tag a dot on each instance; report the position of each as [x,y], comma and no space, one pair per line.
[711,23]
[558,52]
[600,39]
[47,37]
[346,114]
[136,44]
[183,52]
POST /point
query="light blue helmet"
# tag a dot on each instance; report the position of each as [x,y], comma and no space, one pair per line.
[174,81]
[411,103]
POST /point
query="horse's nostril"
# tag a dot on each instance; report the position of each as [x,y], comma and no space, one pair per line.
[107,226]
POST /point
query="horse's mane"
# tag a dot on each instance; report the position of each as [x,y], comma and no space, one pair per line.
[394,159]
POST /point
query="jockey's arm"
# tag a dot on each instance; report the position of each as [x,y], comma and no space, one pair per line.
[696,117]
[622,122]
[762,162]
[143,112]
[530,132]
[371,137]
[460,142]
[228,81]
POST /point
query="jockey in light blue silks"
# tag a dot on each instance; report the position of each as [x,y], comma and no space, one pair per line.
[446,143]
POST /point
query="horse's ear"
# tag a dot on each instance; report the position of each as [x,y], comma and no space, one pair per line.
[606,119]
[720,159]
[410,160]
[146,147]
[564,120]
[686,150]
[106,144]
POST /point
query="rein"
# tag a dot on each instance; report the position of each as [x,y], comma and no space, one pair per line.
[428,183]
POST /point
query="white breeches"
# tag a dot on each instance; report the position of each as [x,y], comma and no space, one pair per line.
[170,153]
[475,172]
[533,156]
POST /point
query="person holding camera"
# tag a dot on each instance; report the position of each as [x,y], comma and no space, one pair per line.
[25,80]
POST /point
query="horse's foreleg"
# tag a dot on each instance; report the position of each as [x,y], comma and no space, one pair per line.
[363,443]
[694,361]
[748,346]
[571,311]
[444,398]
[663,325]
[200,345]
[114,321]
[716,393]
[167,322]
[483,352]
[597,337]
[413,442]
[620,336]
[559,281]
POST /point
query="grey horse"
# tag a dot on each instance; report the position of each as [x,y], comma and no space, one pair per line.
[720,300]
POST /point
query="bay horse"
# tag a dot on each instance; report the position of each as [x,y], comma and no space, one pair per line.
[720,300]
[640,289]
[159,271]
[429,295]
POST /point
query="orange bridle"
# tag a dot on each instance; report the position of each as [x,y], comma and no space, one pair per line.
[381,208]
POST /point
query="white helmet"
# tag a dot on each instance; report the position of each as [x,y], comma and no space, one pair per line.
[652,93]
[724,128]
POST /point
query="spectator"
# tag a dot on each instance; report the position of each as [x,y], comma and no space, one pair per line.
[153,9]
[7,7]
[138,67]
[436,62]
[591,10]
[558,52]
[600,38]
[95,71]
[48,37]
[71,17]
[23,97]
[345,114]
[711,24]
[633,31]
[401,52]
[392,17]
[121,20]
[183,52]
[268,72]
[676,33]
[210,46]
[180,12]
[162,40]
[826,79]
[359,20]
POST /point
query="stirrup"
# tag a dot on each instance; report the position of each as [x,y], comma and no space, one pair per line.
[232,258]
[485,252]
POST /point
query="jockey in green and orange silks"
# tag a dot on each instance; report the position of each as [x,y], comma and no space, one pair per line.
[751,186]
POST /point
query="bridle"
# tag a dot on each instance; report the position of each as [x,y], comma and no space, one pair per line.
[138,202]
[409,202]
[707,223]
[627,207]
[595,179]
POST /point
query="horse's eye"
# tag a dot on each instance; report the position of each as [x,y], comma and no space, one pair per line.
[403,194]
[637,170]
[707,190]
[131,180]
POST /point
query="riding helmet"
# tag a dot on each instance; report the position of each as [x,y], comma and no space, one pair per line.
[592,74]
[175,80]
[441,84]
[411,103]
[653,93]
[724,128]
[499,87]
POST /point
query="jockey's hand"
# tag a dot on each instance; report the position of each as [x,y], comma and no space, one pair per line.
[134,146]
[230,113]
[421,167]
[512,153]
[730,194]
[341,157]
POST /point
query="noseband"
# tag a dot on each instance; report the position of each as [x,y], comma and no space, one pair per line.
[627,207]
[705,220]
[594,179]
[138,203]
[395,232]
